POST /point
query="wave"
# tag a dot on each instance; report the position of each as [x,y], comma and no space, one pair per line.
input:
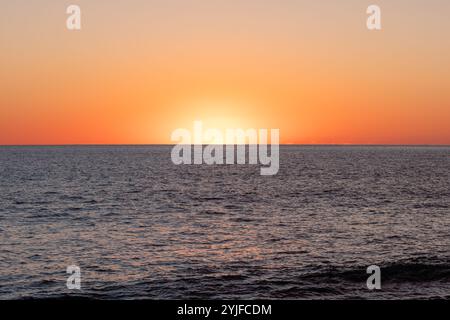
[411,270]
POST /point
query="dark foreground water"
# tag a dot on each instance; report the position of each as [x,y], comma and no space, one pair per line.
[140,227]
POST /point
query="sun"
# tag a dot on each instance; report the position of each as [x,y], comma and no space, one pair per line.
[215,114]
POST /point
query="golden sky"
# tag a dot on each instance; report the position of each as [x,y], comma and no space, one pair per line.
[140,69]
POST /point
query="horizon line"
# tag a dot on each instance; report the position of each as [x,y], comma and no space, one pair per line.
[204,144]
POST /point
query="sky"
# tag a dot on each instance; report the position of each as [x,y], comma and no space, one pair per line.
[138,70]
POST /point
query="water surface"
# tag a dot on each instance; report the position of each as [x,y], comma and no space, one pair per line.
[140,227]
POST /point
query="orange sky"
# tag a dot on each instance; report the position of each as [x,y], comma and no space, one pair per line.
[140,69]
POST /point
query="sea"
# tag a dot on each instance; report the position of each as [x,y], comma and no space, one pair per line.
[140,227]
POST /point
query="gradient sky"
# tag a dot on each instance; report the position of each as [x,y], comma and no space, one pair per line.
[140,69]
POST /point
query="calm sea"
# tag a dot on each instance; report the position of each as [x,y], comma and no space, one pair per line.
[140,227]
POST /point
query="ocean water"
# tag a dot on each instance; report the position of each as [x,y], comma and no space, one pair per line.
[140,227]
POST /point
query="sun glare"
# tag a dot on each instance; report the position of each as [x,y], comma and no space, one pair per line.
[216,115]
